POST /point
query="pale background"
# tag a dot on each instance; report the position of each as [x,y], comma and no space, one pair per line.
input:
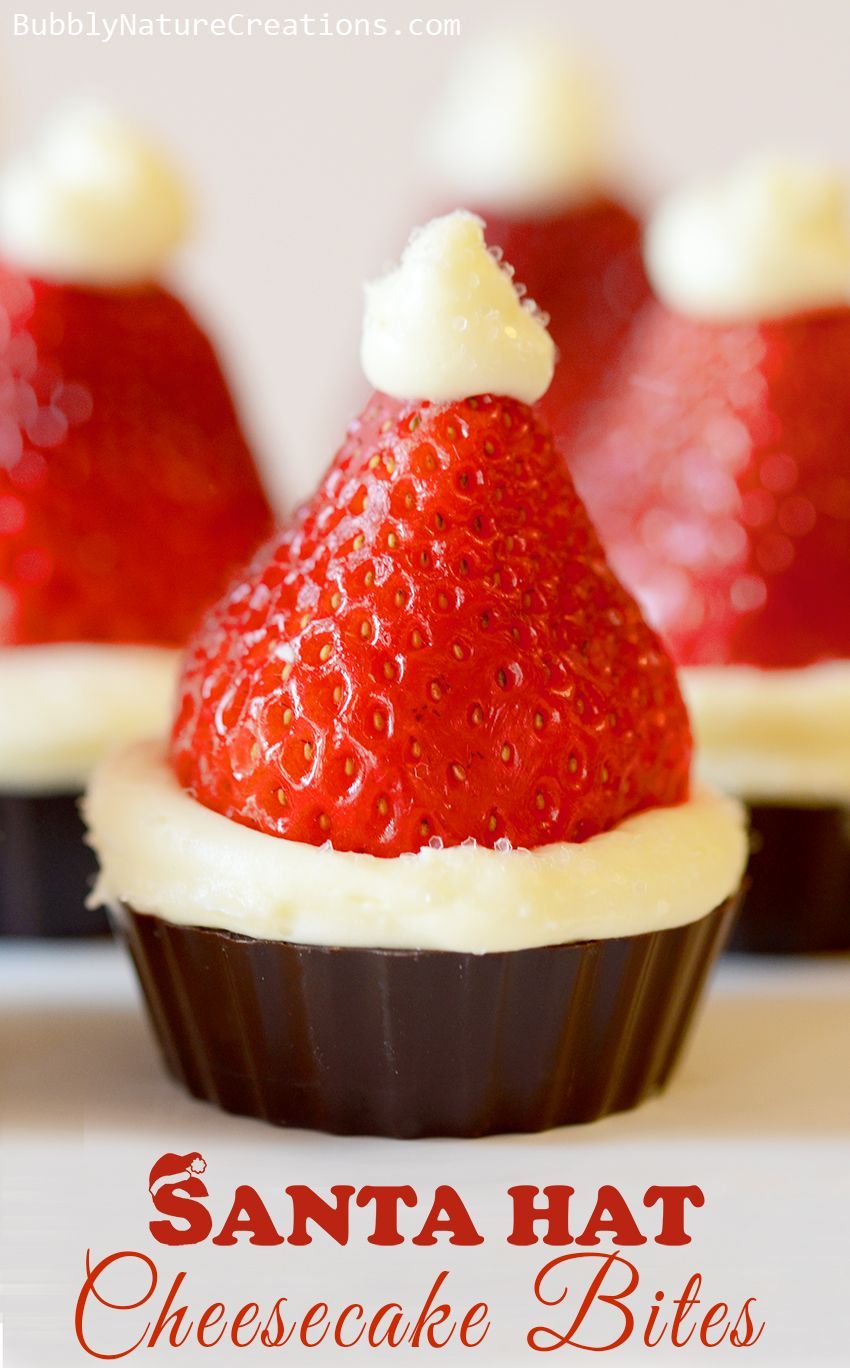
[303,151]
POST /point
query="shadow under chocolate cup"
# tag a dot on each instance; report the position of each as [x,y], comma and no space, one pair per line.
[46,869]
[410,1043]
[798,895]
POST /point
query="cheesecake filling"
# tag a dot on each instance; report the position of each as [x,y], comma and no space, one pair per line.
[163,853]
[780,736]
[63,706]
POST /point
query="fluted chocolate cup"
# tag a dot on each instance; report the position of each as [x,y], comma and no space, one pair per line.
[412,1043]
[798,899]
[46,869]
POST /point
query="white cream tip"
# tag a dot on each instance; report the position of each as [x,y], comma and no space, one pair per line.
[770,240]
[94,203]
[449,322]
[523,125]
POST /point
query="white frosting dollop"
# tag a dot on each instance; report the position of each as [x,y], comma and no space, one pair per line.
[161,852]
[775,735]
[770,240]
[522,127]
[93,204]
[449,322]
[62,707]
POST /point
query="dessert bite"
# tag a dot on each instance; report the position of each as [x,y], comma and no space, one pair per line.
[426,749]
[127,490]
[523,137]
[718,470]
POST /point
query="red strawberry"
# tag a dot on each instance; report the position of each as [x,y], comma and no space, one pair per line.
[584,267]
[434,647]
[718,471]
[127,491]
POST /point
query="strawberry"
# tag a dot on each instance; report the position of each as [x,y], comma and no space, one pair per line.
[584,267]
[717,469]
[127,490]
[434,649]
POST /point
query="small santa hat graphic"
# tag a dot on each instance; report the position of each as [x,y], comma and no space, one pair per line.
[173,1169]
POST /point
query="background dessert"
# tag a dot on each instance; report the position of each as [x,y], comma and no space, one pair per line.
[127,490]
[363,100]
[523,136]
[426,752]
[717,468]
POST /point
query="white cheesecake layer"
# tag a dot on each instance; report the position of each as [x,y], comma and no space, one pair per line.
[163,853]
[62,707]
[775,735]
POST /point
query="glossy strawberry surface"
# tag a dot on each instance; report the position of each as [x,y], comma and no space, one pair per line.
[435,649]
[583,266]
[127,491]
[718,472]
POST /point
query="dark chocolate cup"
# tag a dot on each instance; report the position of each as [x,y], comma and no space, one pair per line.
[46,869]
[413,1043]
[798,898]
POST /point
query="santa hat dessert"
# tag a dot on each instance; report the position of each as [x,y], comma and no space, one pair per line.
[421,855]
[718,469]
[127,490]
[523,137]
